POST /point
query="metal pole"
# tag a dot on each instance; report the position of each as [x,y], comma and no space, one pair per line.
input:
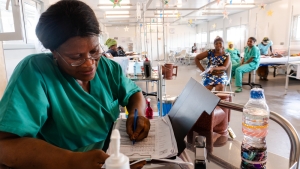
[290,35]
[256,26]
[289,52]
[240,33]
[157,40]
[141,45]
[286,125]
[151,39]
[145,30]
[164,50]
[159,93]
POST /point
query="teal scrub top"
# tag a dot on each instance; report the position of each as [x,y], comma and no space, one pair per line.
[233,54]
[40,101]
[252,53]
[264,49]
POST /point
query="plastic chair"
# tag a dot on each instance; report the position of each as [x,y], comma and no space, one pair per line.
[181,57]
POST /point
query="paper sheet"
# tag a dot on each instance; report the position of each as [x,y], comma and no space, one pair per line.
[160,142]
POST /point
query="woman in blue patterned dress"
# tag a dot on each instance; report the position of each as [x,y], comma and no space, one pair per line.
[219,61]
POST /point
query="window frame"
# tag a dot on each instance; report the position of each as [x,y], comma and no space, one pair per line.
[18,34]
[240,48]
[296,23]
[217,30]
[25,42]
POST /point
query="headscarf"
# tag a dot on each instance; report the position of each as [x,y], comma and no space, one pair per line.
[265,41]
[230,43]
[110,42]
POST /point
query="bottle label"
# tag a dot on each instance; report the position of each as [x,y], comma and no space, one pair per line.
[254,155]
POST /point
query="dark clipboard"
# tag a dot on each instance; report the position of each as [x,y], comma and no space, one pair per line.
[191,103]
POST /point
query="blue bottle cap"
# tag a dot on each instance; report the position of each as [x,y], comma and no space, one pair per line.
[257,93]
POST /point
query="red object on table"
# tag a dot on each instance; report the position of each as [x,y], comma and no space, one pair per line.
[149,111]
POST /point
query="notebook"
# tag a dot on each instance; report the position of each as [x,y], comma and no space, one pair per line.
[160,142]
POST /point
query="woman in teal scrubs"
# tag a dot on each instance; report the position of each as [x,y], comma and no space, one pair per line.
[234,56]
[59,107]
[248,63]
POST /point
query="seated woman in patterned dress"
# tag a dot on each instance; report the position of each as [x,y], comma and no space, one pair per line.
[219,60]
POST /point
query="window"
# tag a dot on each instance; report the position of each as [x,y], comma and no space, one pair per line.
[237,35]
[296,28]
[213,35]
[202,39]
[31,12]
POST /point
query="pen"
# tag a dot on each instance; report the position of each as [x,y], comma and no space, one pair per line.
[134,123]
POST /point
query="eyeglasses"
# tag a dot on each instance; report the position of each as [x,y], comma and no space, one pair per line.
[78,62]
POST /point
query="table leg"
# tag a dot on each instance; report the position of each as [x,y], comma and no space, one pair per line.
[159,94]
[146,88]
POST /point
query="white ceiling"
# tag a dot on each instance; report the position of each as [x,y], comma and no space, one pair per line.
[177,11]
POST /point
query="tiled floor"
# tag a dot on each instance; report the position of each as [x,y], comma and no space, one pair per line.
[286,105]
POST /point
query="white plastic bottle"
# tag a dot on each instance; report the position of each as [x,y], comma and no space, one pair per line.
[255,128]
[116,160]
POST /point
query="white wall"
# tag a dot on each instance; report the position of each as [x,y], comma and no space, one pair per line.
[13,57]
[183,36]
[122,35]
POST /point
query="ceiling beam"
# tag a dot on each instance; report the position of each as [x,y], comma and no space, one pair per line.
[208,4]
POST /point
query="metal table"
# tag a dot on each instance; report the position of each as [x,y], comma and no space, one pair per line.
[224,152]
[155,77]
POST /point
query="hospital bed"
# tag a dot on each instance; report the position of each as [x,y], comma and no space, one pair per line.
[275,62]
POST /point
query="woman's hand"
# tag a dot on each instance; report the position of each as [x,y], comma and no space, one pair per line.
[93,159]
[211,69]
[142,128]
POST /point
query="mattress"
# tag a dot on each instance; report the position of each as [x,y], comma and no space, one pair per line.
[282,60]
